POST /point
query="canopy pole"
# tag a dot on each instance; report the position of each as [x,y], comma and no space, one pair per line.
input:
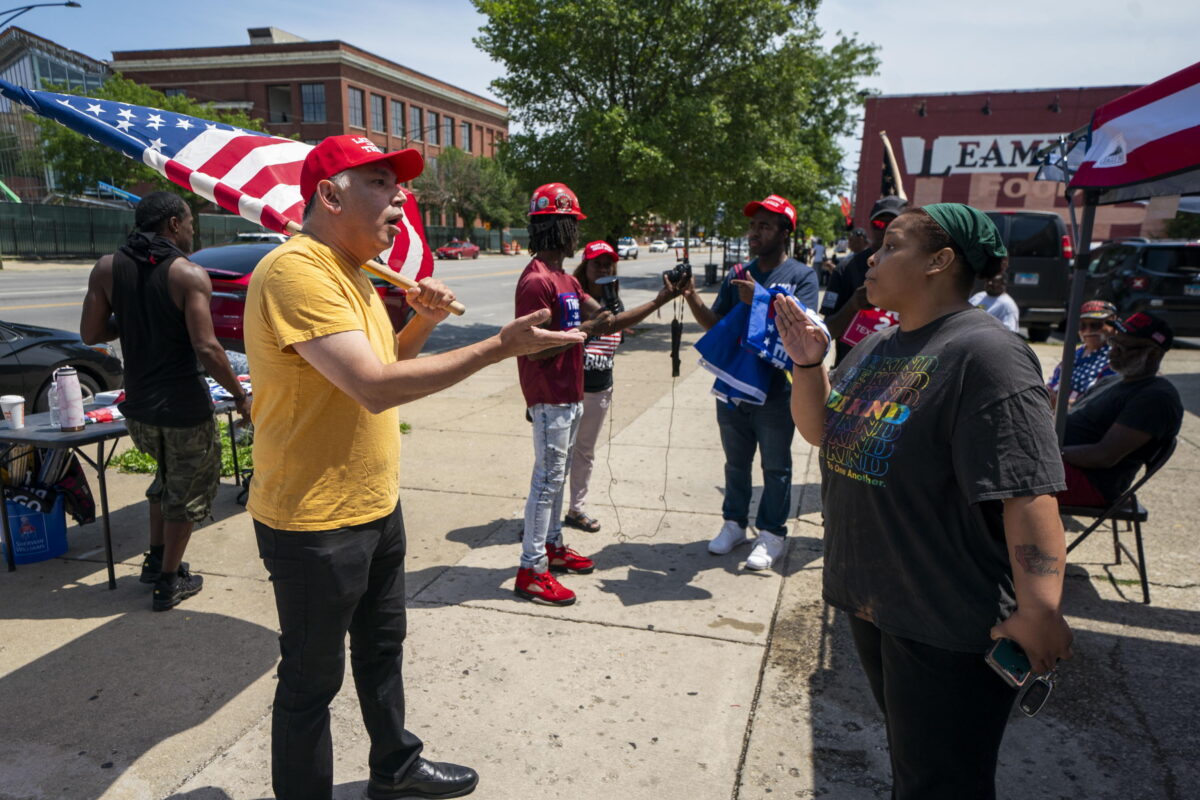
[1083,257]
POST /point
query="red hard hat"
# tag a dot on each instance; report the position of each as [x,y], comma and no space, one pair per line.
[554,198]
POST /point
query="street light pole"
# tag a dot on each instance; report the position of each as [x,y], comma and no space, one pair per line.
[22,9]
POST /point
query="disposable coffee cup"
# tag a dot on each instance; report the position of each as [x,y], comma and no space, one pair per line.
[14,410]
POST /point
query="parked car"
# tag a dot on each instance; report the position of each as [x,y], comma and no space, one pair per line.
[252,237]
[457,249]
[658,246]
[1039,267]
[1162,277]
[627,247]
[229,267]
[29,354]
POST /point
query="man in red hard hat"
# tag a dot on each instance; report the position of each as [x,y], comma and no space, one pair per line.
[329,371]
[552,382]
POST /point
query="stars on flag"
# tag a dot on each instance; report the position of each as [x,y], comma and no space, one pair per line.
[126,114]
[183,123]
[157,145]
[95,108]
[155,121]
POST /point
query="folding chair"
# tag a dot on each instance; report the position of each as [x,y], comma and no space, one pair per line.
[1126,509]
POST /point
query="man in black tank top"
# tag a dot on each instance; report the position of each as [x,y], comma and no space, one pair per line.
[157,302]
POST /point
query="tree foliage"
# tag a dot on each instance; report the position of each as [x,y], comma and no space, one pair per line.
[674,107]
[472,188]
[1183,226]
[80,162]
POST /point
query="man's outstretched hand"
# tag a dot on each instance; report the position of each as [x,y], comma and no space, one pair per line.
[522,336]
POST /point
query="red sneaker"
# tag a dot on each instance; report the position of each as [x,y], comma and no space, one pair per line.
[564,559]
[542,587]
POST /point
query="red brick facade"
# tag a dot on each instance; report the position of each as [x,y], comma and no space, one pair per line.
[252,76]
[977,148]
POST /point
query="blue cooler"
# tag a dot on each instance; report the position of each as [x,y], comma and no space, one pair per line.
[37,536]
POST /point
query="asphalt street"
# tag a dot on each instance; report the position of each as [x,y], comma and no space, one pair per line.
[51,295]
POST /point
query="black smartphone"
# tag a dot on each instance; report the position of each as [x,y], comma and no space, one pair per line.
[1010,662]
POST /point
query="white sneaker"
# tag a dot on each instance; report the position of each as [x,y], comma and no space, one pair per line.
[732,535]
[767,547]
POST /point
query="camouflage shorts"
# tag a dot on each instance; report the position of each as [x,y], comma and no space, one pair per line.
[189,467]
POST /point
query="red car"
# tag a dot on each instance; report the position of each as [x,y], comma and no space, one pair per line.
[458,249]
[229,266]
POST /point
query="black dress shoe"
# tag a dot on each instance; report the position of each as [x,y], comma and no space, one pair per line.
[426,779]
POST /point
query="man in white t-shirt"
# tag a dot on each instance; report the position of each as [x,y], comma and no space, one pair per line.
[999,303]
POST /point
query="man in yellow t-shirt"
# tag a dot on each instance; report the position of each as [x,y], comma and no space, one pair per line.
[328,372]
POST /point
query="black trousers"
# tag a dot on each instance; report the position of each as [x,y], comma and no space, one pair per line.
[945,714]
[328,583]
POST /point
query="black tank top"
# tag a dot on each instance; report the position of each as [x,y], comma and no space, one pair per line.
[164,382]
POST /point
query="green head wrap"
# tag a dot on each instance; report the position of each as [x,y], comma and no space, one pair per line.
[971,229]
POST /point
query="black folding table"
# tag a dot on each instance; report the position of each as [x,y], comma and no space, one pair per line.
[38,432]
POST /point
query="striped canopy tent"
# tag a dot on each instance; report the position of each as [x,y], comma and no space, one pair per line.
[1143,144]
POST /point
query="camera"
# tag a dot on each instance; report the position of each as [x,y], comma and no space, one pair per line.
[608,289]
[679,274]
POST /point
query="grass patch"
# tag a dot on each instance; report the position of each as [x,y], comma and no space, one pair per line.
[135,461]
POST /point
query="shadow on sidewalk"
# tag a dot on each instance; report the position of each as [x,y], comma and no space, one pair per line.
[77,718]
[1120,723]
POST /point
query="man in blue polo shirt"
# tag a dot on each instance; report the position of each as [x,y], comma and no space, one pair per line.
[767,428]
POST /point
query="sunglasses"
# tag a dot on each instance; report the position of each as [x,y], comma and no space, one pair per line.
[1092,325]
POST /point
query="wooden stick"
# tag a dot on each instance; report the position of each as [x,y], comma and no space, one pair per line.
[390,275]
[895,168]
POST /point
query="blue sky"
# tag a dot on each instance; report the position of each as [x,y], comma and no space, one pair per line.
[926,45]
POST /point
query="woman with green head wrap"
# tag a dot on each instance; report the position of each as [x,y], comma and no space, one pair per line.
[939,464]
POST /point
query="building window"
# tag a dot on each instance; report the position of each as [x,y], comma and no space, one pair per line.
[448,131]
[312,98]
[431,125]
[397,118]
[414,123]
[377,118]
[175,92]
[355,98]
[465,144]
[279,103]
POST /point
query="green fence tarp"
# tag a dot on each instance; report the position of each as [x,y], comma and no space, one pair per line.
[33,231]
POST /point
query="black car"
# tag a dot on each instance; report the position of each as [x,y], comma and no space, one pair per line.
[1039,262]
[1161,277]
[29,354]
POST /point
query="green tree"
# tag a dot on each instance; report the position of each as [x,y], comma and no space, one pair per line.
[674,108]
[1183,226]
[472,188]
[80,163]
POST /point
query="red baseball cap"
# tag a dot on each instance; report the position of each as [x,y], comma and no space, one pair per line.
[773,203]
[337,153]
[597,249]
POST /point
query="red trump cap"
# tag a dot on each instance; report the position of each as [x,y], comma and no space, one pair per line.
[597,249]
[773,203]
[337,153]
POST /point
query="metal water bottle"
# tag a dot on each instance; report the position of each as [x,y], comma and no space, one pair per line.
[70,399]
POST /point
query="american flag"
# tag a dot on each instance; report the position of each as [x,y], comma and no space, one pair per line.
[252,174]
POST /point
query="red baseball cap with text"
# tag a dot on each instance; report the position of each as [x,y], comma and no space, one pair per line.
[773,203]
[1147,326]
[597,249]
[337,153]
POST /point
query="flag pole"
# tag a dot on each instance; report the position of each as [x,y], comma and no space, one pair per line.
[391,276]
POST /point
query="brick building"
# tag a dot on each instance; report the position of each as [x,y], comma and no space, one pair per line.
[317,89]
[977,148]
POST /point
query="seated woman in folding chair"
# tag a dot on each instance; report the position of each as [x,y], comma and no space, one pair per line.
[1124,420]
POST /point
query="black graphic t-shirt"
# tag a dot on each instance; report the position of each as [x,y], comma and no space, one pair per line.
[926,431]
[1151,405]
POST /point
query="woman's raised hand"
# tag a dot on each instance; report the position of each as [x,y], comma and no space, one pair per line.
[805,342]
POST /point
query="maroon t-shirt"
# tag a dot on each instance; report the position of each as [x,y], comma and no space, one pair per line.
[559,379]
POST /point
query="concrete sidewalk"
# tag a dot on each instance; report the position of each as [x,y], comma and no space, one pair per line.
[677,675]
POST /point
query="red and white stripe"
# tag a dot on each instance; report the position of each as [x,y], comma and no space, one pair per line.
[1150,134]
[258,178]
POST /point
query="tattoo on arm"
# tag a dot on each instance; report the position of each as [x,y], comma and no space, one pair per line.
[1034,561]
